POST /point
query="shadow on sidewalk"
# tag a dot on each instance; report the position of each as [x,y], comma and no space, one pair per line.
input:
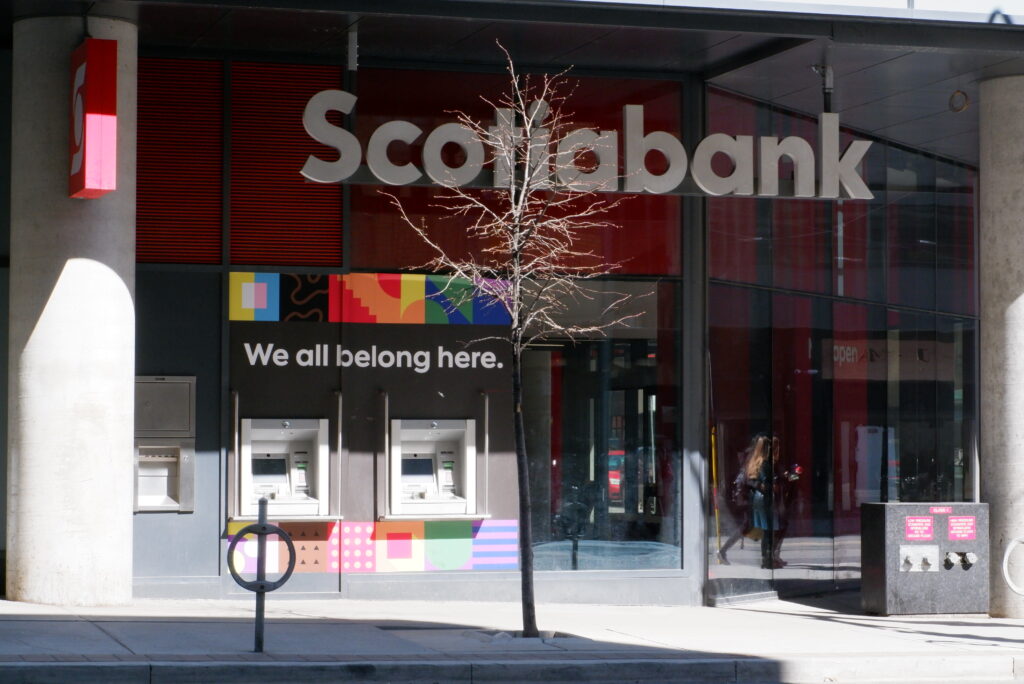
[844,607]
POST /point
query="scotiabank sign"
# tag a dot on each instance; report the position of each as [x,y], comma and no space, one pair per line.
[829,173]
[92,138]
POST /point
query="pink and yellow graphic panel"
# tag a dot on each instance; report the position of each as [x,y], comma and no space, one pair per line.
[314,542]
[387,546]
[399,546]
[424,546]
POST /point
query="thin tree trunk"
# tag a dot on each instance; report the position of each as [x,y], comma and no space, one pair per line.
[525,517]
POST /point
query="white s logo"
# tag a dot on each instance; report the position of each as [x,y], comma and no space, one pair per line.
[78,112]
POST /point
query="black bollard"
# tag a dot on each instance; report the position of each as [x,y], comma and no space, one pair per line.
[261,586]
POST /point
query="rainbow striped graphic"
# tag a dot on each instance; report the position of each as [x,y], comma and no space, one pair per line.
[495,545]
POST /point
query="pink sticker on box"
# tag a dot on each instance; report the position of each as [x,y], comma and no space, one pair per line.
[940,510]
[962,527]
[920,527]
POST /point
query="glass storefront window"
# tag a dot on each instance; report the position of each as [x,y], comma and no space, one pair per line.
[739,229]
[910,225]
[603,441]
[802,245]
[862,403]
[859,428]
[858,402]
[955,291]
[858,232]
[802,231]
[739,340]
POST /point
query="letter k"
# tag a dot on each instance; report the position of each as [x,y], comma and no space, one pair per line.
[836,170]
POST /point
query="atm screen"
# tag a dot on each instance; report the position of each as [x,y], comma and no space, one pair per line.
[418,466]
[269,466]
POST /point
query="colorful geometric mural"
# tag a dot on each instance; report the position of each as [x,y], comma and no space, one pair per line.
[362,298]
[304,297]
[244,558]
[357,553]
[399,546]
[311,545]
[334,547]
[254,297]
[449,545]
[451,305]
[377,298]
[387,546]
[495,545]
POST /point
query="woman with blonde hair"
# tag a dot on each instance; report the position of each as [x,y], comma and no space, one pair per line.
[744,489]
[761,470]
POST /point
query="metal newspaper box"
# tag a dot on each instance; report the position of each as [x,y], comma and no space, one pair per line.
[924,558]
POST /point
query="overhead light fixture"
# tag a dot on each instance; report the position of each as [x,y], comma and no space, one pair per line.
[959,101]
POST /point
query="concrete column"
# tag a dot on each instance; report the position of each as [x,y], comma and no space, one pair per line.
[72,334]
[1001,269]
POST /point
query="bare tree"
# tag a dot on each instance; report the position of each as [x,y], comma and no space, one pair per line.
[548,193]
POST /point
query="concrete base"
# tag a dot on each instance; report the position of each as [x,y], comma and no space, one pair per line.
[611,588]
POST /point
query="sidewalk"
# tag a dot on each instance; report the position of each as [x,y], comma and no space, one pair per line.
[817,640]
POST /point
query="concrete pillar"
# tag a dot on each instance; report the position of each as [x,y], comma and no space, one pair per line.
[72,334]
[1001,270]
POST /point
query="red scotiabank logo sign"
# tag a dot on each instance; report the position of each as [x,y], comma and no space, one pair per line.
[92,140]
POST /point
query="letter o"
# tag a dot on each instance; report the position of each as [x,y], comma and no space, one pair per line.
[441,173]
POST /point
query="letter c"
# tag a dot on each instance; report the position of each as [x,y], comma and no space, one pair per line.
[377,152]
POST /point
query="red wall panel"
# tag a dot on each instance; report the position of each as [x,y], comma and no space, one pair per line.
[277,216]
[644,237]
[179,161]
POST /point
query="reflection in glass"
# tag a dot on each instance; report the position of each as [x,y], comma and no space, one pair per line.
[602,438]
[869,402]
[911,228]
[865,404]
[739,342]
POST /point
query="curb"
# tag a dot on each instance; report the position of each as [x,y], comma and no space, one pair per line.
[747,670]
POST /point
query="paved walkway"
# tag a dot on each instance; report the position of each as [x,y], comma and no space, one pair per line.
[817,640]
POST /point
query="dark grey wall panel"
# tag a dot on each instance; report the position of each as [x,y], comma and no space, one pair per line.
[291,390]
[178,333]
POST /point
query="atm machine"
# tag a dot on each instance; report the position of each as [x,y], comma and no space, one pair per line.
[433,467]
[165,444]
[286,461]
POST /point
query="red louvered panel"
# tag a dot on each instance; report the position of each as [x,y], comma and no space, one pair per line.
[180,107]
[277,217]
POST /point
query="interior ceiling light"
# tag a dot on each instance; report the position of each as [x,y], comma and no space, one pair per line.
[959,101]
